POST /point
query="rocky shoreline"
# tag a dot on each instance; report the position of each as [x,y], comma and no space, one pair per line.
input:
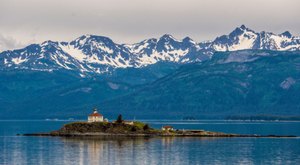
[137,129]
[155,135]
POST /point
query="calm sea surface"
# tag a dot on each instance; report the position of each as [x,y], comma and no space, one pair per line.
[55,150]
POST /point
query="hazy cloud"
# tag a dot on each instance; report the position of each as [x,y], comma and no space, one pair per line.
[7,43]
[130,21]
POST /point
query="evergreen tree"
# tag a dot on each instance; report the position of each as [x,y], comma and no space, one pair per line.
[146,127]
[119,119]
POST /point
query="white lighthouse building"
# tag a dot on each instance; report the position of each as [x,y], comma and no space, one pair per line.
[95,117]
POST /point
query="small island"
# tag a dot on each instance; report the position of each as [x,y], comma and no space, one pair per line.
[98,126]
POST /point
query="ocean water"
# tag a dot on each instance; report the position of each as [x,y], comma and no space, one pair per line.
[177,150]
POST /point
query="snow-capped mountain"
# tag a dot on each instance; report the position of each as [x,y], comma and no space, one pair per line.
[244,38]
[97,54]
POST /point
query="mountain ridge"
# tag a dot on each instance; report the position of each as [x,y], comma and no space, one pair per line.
[96,55]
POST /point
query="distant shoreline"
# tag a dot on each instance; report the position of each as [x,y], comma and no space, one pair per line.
[227,119]
[264,118]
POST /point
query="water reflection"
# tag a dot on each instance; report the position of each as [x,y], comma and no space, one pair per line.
[99,150]
[172,150]
[167,150]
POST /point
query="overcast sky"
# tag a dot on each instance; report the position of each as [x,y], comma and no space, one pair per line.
[129,21]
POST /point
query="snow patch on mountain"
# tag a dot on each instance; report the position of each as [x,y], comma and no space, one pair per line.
[75,53]
[17,60]
[245,41]
[287,83]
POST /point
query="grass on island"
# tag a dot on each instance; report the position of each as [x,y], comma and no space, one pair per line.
[108,127]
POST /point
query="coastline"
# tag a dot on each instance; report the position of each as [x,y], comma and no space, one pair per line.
[150,135]
[136,129]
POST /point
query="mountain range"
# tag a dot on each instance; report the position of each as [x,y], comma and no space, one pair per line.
[91,54]
[242,73]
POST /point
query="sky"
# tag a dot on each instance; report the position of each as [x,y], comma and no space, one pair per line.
[23,22]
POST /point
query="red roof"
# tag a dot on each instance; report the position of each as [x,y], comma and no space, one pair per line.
[95,114]
[167,126]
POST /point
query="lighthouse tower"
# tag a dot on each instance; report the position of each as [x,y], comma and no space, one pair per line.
[95,117]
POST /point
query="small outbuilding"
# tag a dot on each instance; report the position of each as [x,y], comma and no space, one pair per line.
[95,117]
[167,128]
[128,122]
